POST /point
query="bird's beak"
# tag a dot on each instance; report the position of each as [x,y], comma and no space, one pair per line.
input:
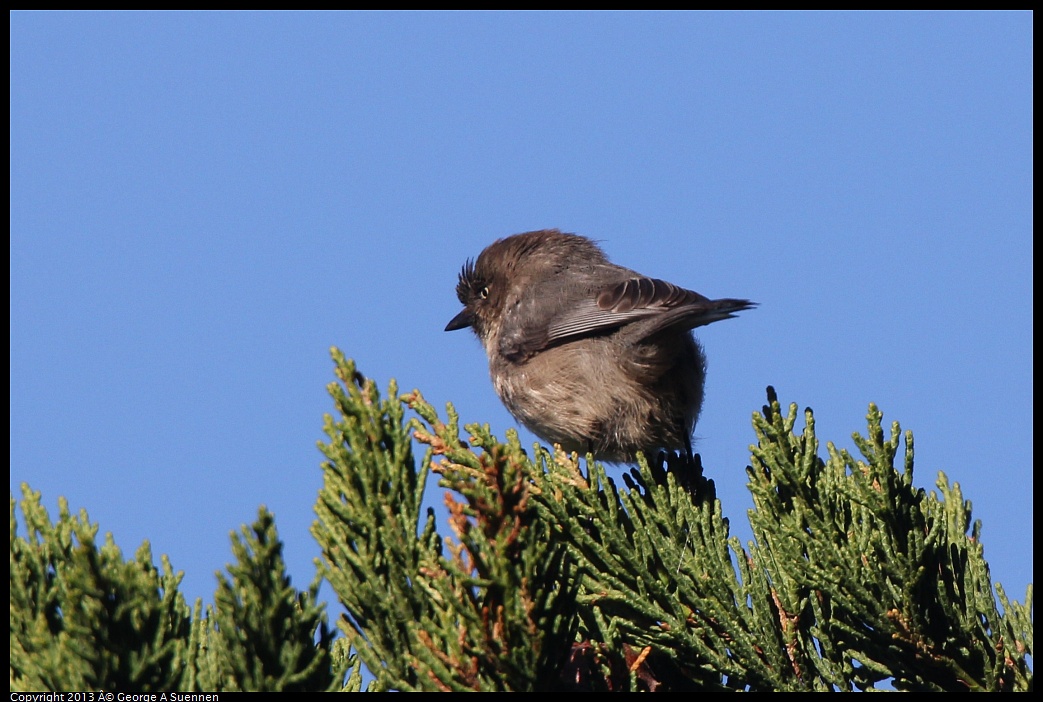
[460,321]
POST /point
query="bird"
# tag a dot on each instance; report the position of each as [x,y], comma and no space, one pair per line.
[588,355]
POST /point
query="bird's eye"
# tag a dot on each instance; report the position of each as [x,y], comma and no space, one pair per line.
[484,292]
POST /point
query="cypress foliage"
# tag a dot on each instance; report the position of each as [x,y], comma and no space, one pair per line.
[260,635]
[82,618]
[473,619]
[550,576]
[856,579]
[872,578]
[855,576]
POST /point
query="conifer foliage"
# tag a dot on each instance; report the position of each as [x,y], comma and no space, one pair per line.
[85,620]
[547,575]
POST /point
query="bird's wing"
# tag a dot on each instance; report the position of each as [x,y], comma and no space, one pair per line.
[654,303]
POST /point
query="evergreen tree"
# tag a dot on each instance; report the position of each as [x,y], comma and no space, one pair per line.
[83,619]
[551,576]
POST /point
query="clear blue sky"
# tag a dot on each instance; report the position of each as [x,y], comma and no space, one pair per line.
[202,204]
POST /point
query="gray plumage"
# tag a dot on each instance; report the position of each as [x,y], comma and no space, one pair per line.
[585,353]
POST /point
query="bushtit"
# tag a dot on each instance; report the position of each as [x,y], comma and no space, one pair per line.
[585,353]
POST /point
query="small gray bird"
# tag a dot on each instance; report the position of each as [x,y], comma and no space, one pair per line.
[585,353]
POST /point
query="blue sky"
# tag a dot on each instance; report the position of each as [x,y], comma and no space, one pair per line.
[203,204]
